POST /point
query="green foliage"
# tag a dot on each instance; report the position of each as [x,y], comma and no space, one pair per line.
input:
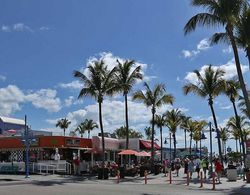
[63,124]
[121,133]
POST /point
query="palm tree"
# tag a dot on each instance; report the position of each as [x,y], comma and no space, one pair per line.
[185,124]
[232,91]
[196,138]
[148,133]
[81,129]
[122,133]
[63,124]
[243,31]
[224,135]
[234,130]
[153,98]
[160,122]
[221,13]
[126,78]
[209,85]
[97,83]
[173,121]
[89,125]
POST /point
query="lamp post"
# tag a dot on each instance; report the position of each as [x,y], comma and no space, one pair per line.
[202,137]
[27,138]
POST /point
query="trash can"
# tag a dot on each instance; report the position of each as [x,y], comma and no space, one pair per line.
[231,174]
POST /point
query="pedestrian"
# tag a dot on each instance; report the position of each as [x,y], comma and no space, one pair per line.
[185,166]
[218,169]
[204,166]
[190,167]
[177,166]
[197,167]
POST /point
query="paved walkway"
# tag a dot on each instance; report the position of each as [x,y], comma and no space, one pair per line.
[237,187]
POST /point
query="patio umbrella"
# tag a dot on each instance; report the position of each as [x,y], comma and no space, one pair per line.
[128,152]
[143,153]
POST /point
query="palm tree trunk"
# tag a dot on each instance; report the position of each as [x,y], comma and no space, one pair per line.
[190,146]
[229,30]
[88,133]
[152,138]
[241,133]
[185,131]
[196,146]
[216,127]
[126,118]
[64,132]
[239,145]
[161,142]
[236,145]
[81,135]
[102,133]
[174,138]
[248,55]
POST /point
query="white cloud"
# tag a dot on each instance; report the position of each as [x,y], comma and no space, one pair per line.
[46,99]
[5,28]
[227,50]
[10,99]
[189,54]
[20,27]
[201,46]
[69,101]
[44,28]
[2,78]
[226,107]
[72,85]
[229,68]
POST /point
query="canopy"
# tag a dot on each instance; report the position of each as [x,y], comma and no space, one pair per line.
[93,151]
[128,152]
[145,144]
[143,153]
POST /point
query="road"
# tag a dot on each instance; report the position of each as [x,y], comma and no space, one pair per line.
[44,188]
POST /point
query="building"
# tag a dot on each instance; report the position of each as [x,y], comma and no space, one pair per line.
[11,124]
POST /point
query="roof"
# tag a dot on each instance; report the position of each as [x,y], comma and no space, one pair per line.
[145,144]
[12,120]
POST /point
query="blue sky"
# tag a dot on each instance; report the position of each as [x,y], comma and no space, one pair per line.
[42,42]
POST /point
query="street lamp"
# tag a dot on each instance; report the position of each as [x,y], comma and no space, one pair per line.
[202,137]
[27,139]
[170,141]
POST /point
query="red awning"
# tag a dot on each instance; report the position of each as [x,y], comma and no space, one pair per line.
[147,145]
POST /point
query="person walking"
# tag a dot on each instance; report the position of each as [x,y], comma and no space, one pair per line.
[197,165]
[190,167]
[218,169]
[204,166]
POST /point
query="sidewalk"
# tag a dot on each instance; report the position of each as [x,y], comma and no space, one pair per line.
[160,179]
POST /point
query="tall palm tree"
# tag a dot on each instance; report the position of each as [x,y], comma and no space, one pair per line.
[173,121]
[196,138]
[160,123]
[232,91]
[185,125]
[98,83]
[90,125]
[126,78]
[153,98]
[209,85]
[221,13]
[234,130]
[63,124]
[243,31]
[224,135]
[81,129]
[148,133]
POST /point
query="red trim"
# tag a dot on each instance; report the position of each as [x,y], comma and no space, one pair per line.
[147,145]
